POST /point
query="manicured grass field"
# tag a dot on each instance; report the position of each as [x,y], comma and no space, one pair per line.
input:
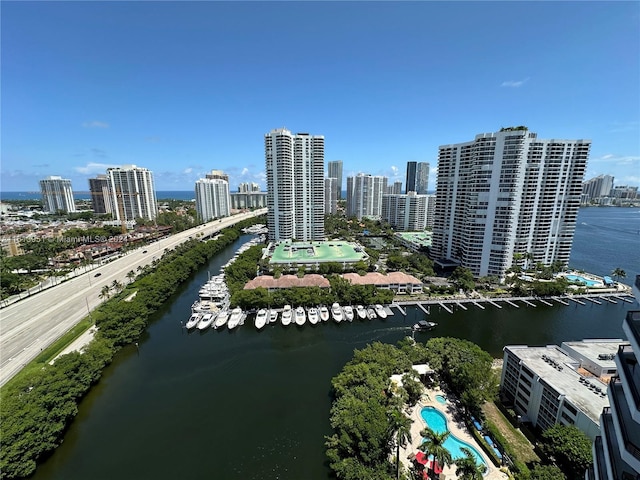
[308,252]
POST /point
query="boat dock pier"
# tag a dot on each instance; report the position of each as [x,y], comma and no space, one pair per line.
[477,304]
[423,309]
[528,302]
[559,300]
[402,310]
[512,304]
[461,305]
[578,301]
[494,303]
[608,299]
[445,307]
[548,304]
[624,299]
[594,300]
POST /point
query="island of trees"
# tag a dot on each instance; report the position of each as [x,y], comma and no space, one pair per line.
[370,424]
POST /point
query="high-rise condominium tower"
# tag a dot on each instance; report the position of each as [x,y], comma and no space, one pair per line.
[133,193]
[507,193]
[100,195]
[213,199]
[364,195]
[334,170]
[295,185]
[405,212]
[598,187]
[330,196]
[417,177]
[57,195]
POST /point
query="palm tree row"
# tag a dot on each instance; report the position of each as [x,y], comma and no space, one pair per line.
[433,445]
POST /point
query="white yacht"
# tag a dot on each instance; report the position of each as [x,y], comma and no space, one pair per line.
[194,319]
[286,315]
[300,316]
[261,318]
[313,316]
[380,311]
[371,313]
[221,319]
[348,313]
[362,312]
[336,312]
[206,321]
[324,313]
[235,318]
[273,316]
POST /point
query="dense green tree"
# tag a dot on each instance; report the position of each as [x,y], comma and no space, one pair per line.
[462,278]
[546,472]
[569,447]
[467,468]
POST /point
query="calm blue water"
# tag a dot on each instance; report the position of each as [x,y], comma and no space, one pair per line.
[441,399]
[437,422]
[84,195]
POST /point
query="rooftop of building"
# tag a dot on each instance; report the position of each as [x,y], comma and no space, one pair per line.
[599,351]
[375,278]
[560,371]
[287,281]
[316,252]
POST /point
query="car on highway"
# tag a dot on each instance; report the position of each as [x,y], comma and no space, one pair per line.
[144,251]
[97,274]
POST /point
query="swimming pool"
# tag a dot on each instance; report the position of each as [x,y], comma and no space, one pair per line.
[441,399]
[437,422]
[586,281]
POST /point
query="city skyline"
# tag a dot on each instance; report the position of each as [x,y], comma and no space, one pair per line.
[182,90]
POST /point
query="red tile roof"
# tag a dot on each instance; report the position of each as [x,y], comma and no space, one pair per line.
[375,278]
[287,281]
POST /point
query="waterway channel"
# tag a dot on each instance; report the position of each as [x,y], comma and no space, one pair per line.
[255,405]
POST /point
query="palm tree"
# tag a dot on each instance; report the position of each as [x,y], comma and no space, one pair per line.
[104,293]
[116,285]
[618,273]
[433,444]
[400,432]
[131,275]
[467,468]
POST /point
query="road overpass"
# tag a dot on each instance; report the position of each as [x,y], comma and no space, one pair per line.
[29,326]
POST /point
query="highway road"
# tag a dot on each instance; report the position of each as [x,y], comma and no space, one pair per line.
[32,324]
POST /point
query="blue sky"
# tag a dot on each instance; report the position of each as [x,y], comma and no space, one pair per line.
[183,88]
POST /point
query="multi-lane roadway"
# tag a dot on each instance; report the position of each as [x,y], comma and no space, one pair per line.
[32,324]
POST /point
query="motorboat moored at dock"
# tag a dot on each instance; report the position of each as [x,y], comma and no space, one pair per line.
[324,313]
[221,319]
[336,312]
[286,315]
[362,312]
[261,318]
[300,316]
[348,313]
[380,311]
[313,316]
[235,318]
[206,321]
[194,319]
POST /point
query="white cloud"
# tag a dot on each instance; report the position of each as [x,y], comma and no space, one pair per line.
[93,168]
[245,170]
[514,83]
[95,124]
[187,170]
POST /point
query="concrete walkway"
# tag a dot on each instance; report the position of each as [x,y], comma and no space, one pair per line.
[457,428]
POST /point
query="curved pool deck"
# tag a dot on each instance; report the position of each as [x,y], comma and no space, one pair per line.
[457,429]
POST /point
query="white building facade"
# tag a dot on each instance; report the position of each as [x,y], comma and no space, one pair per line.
[101,198]
[616,451]
[505,193]
[405,212]
[57,195]
[295,185]
[330,196]
[212,199]
[364,195]
[548,385]
[133,193]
